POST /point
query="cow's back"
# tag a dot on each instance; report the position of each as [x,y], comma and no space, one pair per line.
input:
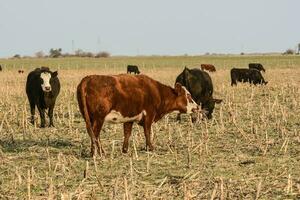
[199,84]
[33,82]
[119,92]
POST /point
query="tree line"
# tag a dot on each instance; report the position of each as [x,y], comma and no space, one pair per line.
[58,53]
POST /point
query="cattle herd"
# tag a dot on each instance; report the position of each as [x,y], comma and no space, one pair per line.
[103,98]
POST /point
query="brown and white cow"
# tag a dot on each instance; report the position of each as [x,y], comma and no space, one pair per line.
[127,99]
[208,67]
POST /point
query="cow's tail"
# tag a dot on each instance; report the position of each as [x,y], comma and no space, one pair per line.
[81,98]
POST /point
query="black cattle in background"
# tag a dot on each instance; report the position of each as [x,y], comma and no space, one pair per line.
[133,68]
[253,76]
[200,85]
[257,66]
[42,89]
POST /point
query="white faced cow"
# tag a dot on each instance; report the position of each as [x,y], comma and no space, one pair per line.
[42,88]
[127,99]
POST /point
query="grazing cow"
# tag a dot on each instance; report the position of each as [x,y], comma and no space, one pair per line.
[246,75]
[208,67]
[133,68]
[20,71]
[42,89]
[0,68]
[257,66]
[127,99]
[200,86]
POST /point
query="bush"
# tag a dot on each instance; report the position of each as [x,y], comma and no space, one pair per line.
[289,52]
[103,54]
[81,53]
[55,53]
[17,56]
[39,54]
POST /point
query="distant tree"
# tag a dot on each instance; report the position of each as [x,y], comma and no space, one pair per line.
[79,52]
[17,56]
[102,54]
[55,53]
[39,54]
[242,53]
[289,52]
[89,54]
[67,55]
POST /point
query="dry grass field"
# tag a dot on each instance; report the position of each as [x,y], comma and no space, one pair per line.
[250,150]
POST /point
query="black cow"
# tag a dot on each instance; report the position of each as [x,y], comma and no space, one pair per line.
[257,66]
[42,88]
[133,68]
[252,76]
[0,68]
[199,84]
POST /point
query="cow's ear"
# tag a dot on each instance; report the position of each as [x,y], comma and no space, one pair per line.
[54,74]
[217,101]
[178,89]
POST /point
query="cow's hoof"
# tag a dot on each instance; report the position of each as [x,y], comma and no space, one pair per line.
[42,126]
[149,148]
[124,150]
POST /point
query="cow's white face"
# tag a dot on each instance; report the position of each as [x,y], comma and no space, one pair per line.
[191,106]
[46,76]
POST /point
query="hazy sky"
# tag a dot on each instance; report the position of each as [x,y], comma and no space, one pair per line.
[131,27]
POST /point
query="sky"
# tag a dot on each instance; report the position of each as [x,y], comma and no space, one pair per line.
[144,27]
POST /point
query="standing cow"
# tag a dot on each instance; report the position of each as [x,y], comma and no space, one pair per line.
[127,99]
[208,67]
[257,66]
[200,86]
[42,89]
[133,68]
[253,76]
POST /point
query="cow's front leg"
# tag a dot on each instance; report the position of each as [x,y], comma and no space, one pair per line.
[42,115]
[147,131]
[50,114]
[127,132]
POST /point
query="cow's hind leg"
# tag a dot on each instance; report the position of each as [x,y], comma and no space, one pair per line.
[32,111]
[127,132]
[178,118]
[97,126]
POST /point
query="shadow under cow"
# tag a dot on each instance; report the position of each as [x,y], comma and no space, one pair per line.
[19,145]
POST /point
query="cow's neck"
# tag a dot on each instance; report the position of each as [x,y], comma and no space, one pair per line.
[48,94]
[168,101]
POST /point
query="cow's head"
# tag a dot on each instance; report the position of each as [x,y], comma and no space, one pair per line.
[46,78]
[184,100]
[209,105]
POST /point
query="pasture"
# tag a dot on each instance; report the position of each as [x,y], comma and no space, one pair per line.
[249,150]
